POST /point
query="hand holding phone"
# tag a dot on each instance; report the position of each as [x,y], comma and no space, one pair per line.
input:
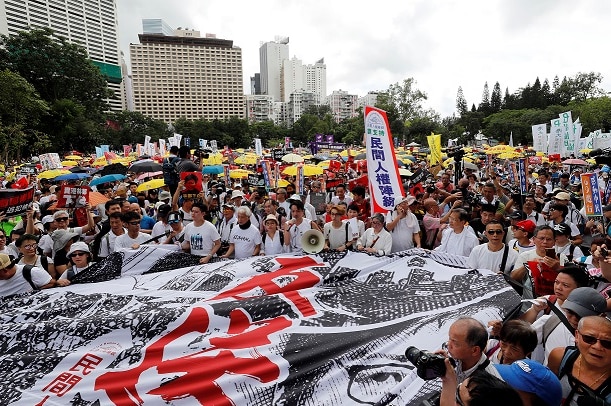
[551,252]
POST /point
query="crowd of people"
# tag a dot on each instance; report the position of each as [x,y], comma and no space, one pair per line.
[556,348]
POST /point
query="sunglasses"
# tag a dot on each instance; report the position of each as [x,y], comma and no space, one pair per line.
[77,254]
[174,222]
[134,223]
[62,219]
[493,232]
[590,340]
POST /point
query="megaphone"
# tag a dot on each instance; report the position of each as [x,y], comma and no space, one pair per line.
[312,241]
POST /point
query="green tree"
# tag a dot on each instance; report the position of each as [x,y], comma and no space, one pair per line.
[461,102]
[496,102]
[402,102]
[484,106]
[21,109]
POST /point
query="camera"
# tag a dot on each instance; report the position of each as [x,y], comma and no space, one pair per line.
[202,153]
[428,366]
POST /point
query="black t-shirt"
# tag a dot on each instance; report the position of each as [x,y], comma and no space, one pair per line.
[61,258]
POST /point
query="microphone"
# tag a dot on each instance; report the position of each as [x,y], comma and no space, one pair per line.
[596,152]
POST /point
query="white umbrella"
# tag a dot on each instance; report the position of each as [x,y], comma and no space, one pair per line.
[292,158]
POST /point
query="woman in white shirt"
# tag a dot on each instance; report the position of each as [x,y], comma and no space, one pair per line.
[272,240]
[375,240]
[338,235]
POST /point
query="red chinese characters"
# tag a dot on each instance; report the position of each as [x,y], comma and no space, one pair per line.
[197,374]
[65,381]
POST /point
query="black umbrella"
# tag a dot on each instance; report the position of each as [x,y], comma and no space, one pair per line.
[78,169]
[145,166]
[112,169]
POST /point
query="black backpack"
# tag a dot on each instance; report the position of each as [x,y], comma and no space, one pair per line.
[170,171]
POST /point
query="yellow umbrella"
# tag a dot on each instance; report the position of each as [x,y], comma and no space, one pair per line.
[246,159]
[308,170]
[498,149]
[308,156]
[540,153]
[73,157]
[591,161]
[52,173]
[283,183]
[69,163]
[239,173]
[101,161]
[213,159]
[508,155]
[324,164]
[353,152]
[585,150]
[151,184]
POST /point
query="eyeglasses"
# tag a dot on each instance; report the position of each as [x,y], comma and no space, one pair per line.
[174,222]
[591,340]
[2,237]
[335,214]
[133,223]
[77,254]
[61,219]
[493,232]
[517,228]
[457,396]
[377,223]
[30,246]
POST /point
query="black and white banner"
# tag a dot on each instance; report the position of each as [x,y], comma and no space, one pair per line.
[153,327]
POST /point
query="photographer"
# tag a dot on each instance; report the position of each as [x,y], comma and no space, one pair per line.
[480,389]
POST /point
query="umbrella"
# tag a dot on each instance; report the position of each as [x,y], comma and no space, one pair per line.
[106,179]
[292,158]
[469,165]
[405,172]
[149,175]
[69,163]
[145,166]
[52,173]
[352,152]
[360,156]
[114,169]
[213,159]
[239,173]
[212,169]
[79,169]
[73,157]
[151,184]
[283,183]
[73,176]
[246,160]
[574,161]
[308,170]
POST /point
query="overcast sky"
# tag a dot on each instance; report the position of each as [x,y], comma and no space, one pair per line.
[368,45]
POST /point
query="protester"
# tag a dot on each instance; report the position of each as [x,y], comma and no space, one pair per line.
[13,279]
[201,237]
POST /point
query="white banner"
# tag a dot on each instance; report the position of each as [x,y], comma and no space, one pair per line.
[556,139]
[385,185]
[539,132]
[162,149]
[155,327]
[566,123]
[258,147]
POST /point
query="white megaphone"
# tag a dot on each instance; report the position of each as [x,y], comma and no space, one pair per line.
[312,241]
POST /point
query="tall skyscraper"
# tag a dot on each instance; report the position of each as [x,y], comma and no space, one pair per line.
[271,57]
[316,80]
[89,23]
[186,75]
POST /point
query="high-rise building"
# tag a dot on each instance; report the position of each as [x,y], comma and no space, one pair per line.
[369,99]
[186,75]
[271,57]
[316,80]
[89,23]
[342,104]
[259,107]
[297,105]
[293,78]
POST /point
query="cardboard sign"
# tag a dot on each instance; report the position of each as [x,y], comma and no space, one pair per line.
[193,182]
[15,202]
[319,201]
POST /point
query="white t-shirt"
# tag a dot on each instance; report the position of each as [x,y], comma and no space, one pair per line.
[296,232]
[244,241]
[225,227]
[202,238]
[482,258]
[17,283]
[403,233]
[160,229]
[560,336]
[46,243]
[337,236]
[38,262]
[186,216]
[358,230]
[458,244]
[107,243]
[515,245]
[273,246]
[125,241]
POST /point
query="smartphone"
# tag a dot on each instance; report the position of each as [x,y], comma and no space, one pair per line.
[550,252]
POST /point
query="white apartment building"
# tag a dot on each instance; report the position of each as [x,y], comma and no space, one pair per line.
[186,75]
[369,99]
[271,57]
[342,104]
[259,107]
[89,23]
[316,80]
[298,104]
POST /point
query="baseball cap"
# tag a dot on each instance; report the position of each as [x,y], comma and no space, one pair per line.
[5,261]
[585,302]
[562,196]
[532,377]
[229,206]
[164,195]
[164,209]
[174,217]
[527,225]
[517,215]
[562,229]
[47,219]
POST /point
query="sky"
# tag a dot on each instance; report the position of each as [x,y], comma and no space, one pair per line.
[367,46]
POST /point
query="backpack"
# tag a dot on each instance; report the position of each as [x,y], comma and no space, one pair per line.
[170,171]
[600,396]
[27,275]
[264,235]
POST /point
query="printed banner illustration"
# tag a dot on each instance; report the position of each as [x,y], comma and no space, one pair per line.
[152,326]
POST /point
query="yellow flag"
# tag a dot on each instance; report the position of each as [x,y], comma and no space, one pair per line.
[435,146]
